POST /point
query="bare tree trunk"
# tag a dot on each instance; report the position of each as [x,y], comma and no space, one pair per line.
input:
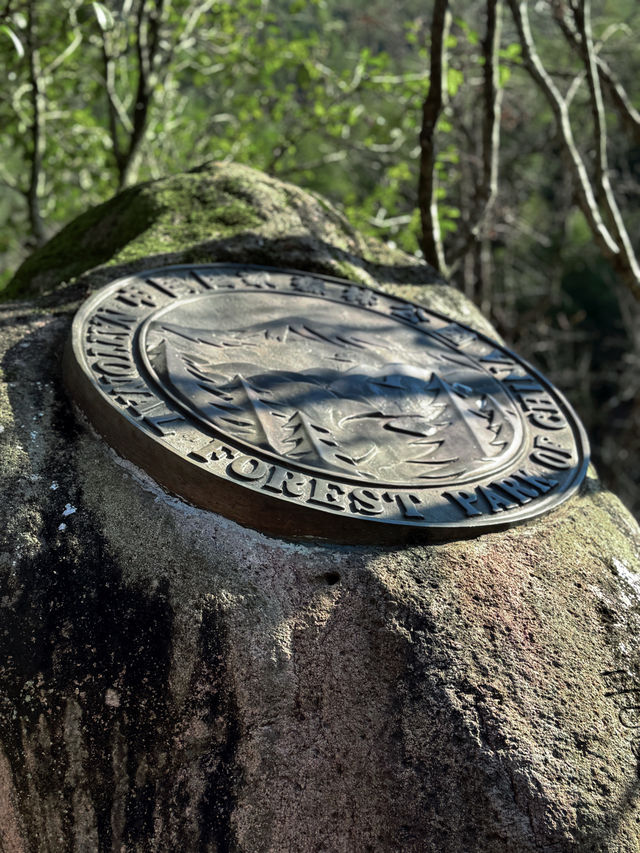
[37,127]
[432,107]
[486,184]
[485,281]
[145,53]
[491,115]
[128,132]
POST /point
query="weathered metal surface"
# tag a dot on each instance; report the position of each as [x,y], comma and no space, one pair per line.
[308,406]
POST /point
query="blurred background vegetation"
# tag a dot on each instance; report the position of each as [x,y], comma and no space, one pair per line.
[330,94]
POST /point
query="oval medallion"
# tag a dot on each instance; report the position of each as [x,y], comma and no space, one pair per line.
[307,406]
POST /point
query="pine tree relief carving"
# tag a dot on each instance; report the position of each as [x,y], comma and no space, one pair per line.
[337,399]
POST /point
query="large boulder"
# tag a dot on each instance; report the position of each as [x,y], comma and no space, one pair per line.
[172,681]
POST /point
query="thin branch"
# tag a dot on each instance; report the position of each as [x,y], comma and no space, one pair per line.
[534,66]
[493,103]
[62,57]
[141,99]
[399,78]
[194,19]
[112,110]
[628,258]
[432,247]
[572,91]
[16,102]
[148,36]
[620,100]
[11,184]
[582,19]
[379,220]
[331,157]
[155,23]
[628,114]
[37,129]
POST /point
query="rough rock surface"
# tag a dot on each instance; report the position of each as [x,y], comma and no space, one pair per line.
[171,681]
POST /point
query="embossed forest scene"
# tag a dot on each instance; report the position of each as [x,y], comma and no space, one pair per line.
[319,426]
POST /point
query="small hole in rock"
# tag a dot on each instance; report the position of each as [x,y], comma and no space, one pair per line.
[332,577]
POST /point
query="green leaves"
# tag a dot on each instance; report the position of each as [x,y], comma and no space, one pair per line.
[512,52]
[455,79]
[6,30]
[472,35]
[327,95]
[103,16]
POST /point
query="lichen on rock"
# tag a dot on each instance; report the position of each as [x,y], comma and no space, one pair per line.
[172,681]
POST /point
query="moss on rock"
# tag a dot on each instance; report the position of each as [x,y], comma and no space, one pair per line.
[89,240]
[199,216]
[225,213]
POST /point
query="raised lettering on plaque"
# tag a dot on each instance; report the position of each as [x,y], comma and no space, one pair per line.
[307,406]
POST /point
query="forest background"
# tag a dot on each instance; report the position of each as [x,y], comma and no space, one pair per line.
[507,156]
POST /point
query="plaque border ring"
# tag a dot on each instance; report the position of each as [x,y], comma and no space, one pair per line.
[108,378]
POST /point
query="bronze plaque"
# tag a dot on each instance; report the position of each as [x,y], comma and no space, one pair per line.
[307,406]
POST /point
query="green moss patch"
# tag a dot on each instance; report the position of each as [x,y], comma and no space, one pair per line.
[218,212]
[149,219]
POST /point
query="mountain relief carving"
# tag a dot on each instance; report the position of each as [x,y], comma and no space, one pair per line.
[343,400]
